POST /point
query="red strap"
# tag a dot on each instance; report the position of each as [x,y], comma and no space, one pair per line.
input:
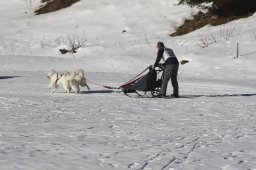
[122,86]
[107,87]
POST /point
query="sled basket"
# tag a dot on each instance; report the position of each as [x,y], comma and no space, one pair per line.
[148,82]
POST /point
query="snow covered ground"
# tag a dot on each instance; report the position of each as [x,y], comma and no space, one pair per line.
[213,125]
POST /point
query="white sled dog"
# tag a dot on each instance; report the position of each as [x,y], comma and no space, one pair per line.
[68,80]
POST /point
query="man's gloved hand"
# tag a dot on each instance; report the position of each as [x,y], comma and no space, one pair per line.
[156,65]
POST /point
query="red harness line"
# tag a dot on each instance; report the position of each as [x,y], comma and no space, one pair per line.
[122,86]
[107,87]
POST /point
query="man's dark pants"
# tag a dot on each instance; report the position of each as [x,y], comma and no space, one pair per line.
[170,72]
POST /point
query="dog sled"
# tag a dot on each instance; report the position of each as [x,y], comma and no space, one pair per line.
[150,80]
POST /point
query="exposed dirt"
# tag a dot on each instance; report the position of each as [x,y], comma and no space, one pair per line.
[54,5]
[202,19]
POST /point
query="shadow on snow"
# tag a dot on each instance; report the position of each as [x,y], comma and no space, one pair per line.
[198,96]
[167,97]
[97,91]
[7,77]
[222,95]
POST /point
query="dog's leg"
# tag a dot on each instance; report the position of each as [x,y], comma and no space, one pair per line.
[66,87]
[74,84]
[75,88]
[67,90]
[75,91]
[53,85]
[78,89]
[50,85]
[87,86]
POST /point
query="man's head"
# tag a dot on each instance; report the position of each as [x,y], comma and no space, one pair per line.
[160,45]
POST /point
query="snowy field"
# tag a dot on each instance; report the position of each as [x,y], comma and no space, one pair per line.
[211,127]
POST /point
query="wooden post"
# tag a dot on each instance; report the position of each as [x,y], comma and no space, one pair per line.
[237,52]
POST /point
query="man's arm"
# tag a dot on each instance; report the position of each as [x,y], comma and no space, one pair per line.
[159,56]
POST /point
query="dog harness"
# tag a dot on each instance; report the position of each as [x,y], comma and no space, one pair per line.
[58,78]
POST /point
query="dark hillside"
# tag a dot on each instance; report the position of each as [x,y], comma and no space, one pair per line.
[222,12]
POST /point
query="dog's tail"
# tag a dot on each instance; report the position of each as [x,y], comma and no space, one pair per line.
[68,75]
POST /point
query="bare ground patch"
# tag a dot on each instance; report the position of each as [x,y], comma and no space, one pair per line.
[202,19]
[54,5]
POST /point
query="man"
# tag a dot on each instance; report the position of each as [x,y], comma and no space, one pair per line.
[171,66]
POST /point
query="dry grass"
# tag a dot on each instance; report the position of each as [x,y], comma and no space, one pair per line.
[54,5]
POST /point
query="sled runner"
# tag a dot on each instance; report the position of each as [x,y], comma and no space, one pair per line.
[149,82]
